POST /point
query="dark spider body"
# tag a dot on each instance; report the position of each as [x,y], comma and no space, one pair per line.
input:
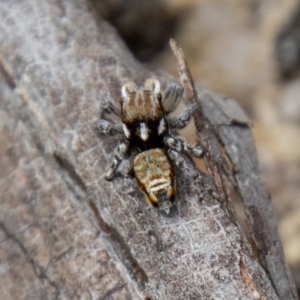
[142,114]
[154,140]
[147,130]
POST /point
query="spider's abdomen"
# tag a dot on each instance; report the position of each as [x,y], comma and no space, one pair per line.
[154,174]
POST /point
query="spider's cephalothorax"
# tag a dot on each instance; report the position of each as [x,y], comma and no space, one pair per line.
[142,115]
[146,128]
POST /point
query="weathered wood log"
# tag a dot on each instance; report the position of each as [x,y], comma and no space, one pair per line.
[66,233]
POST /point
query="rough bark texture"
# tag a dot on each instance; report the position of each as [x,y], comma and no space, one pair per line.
[66,233]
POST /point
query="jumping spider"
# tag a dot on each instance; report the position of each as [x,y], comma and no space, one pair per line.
[146,128]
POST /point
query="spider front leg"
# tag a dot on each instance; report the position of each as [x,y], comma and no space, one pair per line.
[108,107]
[172,97]
[179,145]
[182,120]
[119,155]
[109,128]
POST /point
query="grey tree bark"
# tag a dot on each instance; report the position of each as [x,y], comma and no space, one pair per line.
[66,233]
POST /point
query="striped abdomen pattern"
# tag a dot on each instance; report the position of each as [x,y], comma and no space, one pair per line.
[154,174]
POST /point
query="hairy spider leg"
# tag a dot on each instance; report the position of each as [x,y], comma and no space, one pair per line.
[109,128]
[108,107]
[172,98]
[179,145]
[119,155]
[183,119]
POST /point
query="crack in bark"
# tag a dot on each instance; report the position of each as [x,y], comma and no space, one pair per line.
[7,74]
[37,269]
[121,248]
[112,291]
[70,169]
[246,277]
[116,240]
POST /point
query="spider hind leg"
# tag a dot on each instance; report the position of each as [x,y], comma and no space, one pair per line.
[120,153]
[179,145]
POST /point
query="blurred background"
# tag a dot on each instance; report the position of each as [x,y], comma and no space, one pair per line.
[248,50]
